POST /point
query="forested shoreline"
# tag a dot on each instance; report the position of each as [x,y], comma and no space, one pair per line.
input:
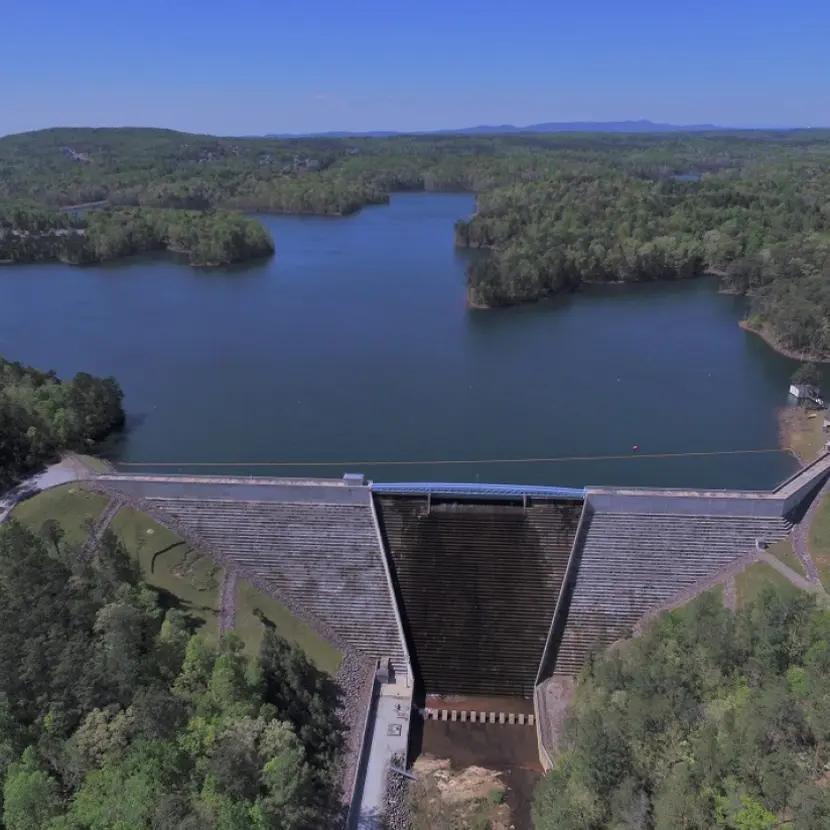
[42,416]
[556,211]
[766,235]
[32,234]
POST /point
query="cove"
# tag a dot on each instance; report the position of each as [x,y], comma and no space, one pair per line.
[354,344]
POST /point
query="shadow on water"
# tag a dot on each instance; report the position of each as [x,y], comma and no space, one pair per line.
[113,447]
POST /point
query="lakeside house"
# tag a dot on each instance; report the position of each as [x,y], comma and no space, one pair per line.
[805,392]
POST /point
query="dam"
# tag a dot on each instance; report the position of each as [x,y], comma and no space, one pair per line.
[477,583]
[452,600]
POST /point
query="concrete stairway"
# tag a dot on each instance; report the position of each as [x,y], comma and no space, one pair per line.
[323,557]
[478,584]
[631,563]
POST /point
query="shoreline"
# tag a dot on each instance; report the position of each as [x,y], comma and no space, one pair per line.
[773,343]
[166,249]
[801,432]
[766,336]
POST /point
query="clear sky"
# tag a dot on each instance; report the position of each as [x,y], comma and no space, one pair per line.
[241,67]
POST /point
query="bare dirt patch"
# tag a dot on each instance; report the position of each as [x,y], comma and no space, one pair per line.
[508,754]
[472,798]
[801,430]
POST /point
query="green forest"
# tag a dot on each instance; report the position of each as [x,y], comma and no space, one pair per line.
[41,415]
[210,237]
[711,720]
[766,233]
[555,211]
[114,716]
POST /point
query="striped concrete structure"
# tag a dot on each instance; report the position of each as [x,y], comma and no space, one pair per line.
[489,584]
[465,716]
[630,563]
[326,556]
[314,544]
[477,583]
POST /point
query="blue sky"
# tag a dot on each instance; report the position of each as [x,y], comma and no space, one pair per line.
[244,67]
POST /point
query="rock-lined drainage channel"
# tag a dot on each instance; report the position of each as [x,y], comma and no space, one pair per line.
[97,533]
[730,593]
[454,715]
[227,602]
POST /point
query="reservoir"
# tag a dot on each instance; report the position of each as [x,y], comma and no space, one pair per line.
[353,346]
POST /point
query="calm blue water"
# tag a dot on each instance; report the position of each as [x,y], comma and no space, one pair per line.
[354,345]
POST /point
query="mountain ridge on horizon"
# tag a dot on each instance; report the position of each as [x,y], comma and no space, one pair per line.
[638,126]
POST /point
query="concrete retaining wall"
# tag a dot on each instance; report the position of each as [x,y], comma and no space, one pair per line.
[354,792]
[560,613]
[797,488]
[778,503]
[461,716]
[236,489]
[686,503]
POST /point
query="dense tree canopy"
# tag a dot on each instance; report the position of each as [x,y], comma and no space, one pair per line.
[766,233]
[40,415]
[708,721]
[164,168]
[208,237]
[556,210]
[113,717]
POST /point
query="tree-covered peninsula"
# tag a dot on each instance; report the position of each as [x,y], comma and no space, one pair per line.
[41,416]
[711,720]
[765,232]
[211,237]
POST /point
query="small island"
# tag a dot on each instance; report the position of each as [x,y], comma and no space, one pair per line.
[207,238]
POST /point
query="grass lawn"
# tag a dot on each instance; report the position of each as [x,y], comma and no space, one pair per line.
[184,577]
[819,541]
[783,551]
[73,506]
[250,628]
[748,583]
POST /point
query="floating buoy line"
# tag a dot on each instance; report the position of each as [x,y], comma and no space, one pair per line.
[558,459]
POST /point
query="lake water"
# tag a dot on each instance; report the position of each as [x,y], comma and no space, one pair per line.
[353,345]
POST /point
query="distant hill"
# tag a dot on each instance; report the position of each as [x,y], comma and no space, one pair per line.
[641,126]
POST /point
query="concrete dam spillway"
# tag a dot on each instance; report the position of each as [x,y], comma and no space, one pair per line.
[467,589]
[474,593]
[477,583]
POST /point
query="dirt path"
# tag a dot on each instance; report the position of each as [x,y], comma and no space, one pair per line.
[785,570]
[227,602]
